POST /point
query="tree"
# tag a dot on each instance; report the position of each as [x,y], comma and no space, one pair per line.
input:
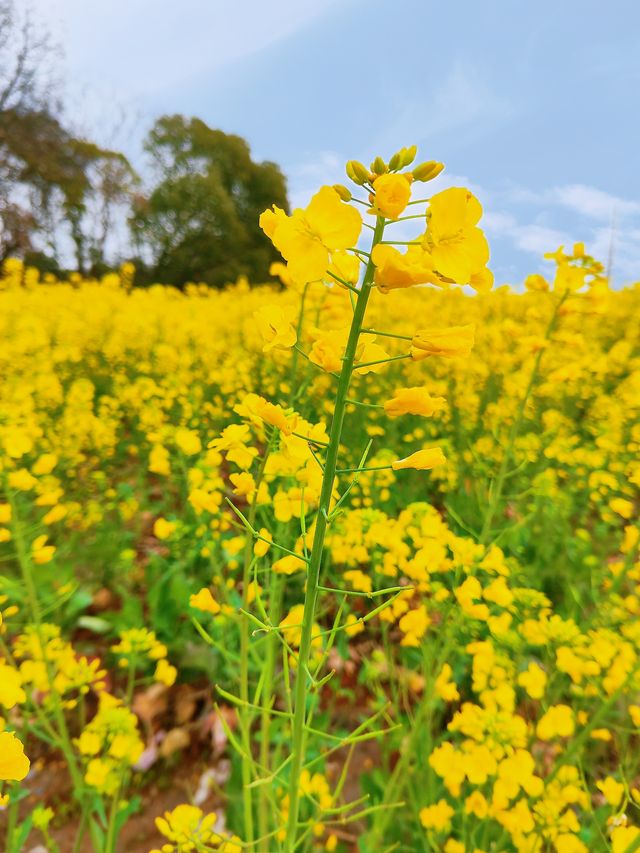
[103,180]
[114,182]
[70,184]
[26,72]
[200,220]
[40,157]
[26,86]
[54,186]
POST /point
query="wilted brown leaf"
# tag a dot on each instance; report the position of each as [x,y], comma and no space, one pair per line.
[175,740]
[151,702]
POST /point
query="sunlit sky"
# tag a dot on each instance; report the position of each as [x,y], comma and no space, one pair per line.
[534,105]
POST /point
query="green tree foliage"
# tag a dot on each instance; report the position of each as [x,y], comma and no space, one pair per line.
[200,221]
[25,87]
[52,183]
[70,183]
[63,196]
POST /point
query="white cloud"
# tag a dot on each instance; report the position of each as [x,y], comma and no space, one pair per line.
[538,238]
[580,198]
[498,223]
[593,202]
[609,225]
[621,248]
[530,237]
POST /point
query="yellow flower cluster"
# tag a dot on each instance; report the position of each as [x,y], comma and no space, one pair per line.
[188,828]
[48,664]
[110,744]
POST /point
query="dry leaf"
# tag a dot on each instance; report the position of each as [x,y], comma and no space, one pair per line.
[151,702]
[175,740]
[102,600]
[185,704]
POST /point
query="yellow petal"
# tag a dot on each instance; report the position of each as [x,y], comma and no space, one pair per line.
[336,223]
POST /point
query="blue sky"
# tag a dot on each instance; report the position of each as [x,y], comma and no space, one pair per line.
[534,105]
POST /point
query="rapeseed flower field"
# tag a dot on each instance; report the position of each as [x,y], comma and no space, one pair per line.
[360,545]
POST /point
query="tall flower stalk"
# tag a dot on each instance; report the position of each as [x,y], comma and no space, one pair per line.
[303,678]
[497,488]
[319,243]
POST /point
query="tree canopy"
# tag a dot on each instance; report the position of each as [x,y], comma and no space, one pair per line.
[199,221]
[66,201]
[53,183]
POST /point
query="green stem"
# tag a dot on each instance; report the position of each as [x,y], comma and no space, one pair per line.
[309,439]
[246,715]
[514,432]
[301,688]
[80,831]
[365,405]
[399,242]
[386,334]
[412,216]
[110,842]
[12,817]
[382,361]
[112,824]
[343,282]
[264,810]
[64,737]
[296,349]
[364,470]
[421,727]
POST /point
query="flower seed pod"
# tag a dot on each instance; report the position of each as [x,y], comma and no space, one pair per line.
[379,166]
[408,155]
[427,171]
[395,162]
[343,192]
[357,172]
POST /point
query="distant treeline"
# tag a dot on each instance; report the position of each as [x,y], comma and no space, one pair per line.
[194,218]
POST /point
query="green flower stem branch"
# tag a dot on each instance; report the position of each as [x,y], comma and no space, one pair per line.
[301,687]
[386,334]
[503,473]
[246,716]
[383,361]
[62,734]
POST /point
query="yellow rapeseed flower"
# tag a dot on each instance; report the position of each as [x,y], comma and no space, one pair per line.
[41,552]
[392,194]
[457,246]
[307,238]
[422,460]
[204,600]
[437,816]
[275,328]
[445,342]
[558,721]
[414,401]
[14,764]
[163,529]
